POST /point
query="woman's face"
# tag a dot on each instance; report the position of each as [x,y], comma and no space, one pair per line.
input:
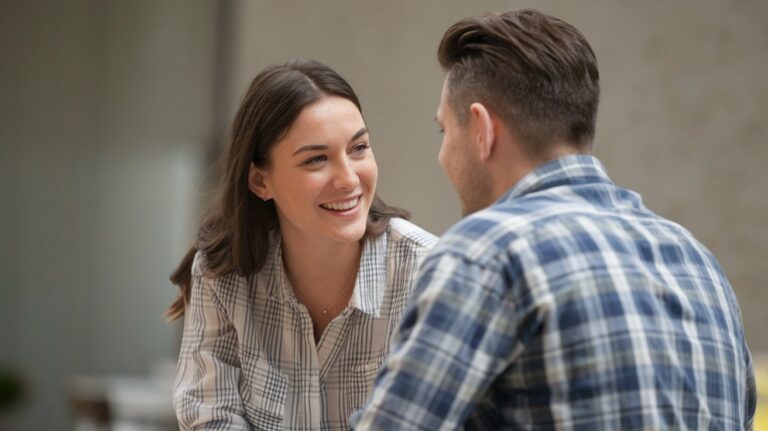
[322,174]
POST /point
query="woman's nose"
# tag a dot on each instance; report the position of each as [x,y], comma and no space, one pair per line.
[345,177]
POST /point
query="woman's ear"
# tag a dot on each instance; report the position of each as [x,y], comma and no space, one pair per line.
[485,137]
[258,180]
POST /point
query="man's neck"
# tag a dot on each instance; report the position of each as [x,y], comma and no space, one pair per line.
[508,172]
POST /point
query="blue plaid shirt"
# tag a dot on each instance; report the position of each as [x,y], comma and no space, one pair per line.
[567,305]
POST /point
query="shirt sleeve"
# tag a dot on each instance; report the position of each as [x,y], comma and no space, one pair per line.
[206,395]
[455,338]
[751,392]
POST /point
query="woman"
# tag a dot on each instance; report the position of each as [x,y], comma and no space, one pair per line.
[300,273]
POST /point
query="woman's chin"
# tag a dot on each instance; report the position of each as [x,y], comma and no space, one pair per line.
[351,233]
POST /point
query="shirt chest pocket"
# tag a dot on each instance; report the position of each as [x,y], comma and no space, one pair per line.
[365,363]
[263,389]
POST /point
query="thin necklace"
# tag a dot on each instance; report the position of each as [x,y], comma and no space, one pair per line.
[350,284]
[343,293]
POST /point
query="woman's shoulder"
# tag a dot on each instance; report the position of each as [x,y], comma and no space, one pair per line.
[199,264]
[402,231]
[201,267]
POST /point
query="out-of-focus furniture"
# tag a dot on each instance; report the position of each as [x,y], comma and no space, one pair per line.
[122,403]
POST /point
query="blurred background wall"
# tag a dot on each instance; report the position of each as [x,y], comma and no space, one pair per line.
[110,113]
[104,110]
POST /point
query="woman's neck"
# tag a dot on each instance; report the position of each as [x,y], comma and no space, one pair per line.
[306,259]
[322,274]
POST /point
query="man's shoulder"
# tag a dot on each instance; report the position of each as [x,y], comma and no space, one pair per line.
[508,227]
[481,236]
[503,219]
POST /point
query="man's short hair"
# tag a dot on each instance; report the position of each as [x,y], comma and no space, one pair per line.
[537,72]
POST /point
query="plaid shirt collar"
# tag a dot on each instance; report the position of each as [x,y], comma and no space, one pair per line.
[370,285]
[574,169]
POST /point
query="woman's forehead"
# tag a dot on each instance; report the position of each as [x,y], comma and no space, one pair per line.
[328,121]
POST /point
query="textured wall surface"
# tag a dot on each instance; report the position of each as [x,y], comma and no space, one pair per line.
[682,118]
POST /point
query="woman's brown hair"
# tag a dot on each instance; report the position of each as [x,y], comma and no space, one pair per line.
[235,234]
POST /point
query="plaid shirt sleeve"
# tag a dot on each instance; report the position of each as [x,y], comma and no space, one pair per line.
[442,366]
[206,393]
[751,395]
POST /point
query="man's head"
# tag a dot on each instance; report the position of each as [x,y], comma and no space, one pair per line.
[521,88]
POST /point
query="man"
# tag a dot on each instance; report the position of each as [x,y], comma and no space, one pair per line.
[560,301]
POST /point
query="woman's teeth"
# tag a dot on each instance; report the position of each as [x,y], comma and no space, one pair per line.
[341,206]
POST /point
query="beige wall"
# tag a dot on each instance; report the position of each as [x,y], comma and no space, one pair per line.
[104,111]
[682,118]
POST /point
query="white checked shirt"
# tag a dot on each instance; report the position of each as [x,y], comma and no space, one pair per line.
[248,357]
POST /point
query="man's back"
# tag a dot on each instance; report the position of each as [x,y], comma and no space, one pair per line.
[573,307]
[631,322]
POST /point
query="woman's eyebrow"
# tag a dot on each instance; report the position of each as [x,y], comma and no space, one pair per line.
[359,133]
[315,147]
[320,147]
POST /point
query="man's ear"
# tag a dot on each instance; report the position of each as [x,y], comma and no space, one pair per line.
[258,180]
[485,137]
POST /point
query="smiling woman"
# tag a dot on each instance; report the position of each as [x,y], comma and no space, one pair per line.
[300,272]
[323,191]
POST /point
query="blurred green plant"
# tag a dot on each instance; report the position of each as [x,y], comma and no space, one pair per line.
[11,389]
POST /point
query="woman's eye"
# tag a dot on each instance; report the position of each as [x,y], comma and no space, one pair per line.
[361,147]
[314,160]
